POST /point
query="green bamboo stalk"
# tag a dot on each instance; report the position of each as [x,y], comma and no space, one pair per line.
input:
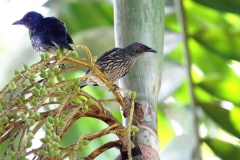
[143,21]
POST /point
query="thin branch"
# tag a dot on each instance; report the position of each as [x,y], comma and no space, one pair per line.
[183,23]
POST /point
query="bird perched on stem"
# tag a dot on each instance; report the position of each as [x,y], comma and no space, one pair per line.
[46,34]
[117,62]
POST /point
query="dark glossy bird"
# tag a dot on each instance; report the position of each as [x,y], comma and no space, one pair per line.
[117,62]
[46,34]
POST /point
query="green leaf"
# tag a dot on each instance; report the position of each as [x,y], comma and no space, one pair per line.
[225,44]
[226,87]
[235,117]
[221,116]
[226,151]
[208,62]
[222,5]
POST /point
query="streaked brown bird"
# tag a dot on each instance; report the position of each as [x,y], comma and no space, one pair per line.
[117,62]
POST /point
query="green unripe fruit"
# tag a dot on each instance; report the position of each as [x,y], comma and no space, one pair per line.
[89,102]
[1,110]
[24,84]
[47,56]
[85,142]
[33,103]
[57,139]
[31,112]
[23,116]
[21,157]
[60,78]
[77,82]
[133,95]
[48,126]
[37,116]
[51,82]
[55,145]
[43,72]
[50,154]
[56,152]
[134,129]
[4,120]
[56,121]
[19,101]
[26,67]
[63,116]
[68,90]
[31,81]
[16,72]
[74,54]
[51,99]
[49,146]
[94,58]
[31,76]
[15,116]
[30,135]
[31,122]
[48,132]
[43,152]
[13,85]
[42,56]
[43,140]
[77,89]
[35,91]
[61,123]
[56,70]
[3,103]
[50,74]
[37,85]
[48,138]
[42,76]
[43,91]
[59,54]
[62,88]
[10,153]
[50,119]
[25,107]
[85,108]
[81,148]
[29,144]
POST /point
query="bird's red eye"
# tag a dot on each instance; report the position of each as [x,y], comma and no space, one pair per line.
[29,18]
[143,47]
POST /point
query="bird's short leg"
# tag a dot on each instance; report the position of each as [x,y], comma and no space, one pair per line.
[117,89]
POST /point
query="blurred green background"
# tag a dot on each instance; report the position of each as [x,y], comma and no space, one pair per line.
[213,31]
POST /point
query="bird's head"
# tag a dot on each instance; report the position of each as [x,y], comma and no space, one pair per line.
[137,48]
[30,19]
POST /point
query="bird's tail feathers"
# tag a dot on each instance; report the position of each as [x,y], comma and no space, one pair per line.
[64,45]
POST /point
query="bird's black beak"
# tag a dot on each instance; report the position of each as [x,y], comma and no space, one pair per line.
[151,50]
[20,22]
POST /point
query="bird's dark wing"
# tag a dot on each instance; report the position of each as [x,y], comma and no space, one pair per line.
[40,39]
[69,39]
[58,32]
[107,55]
[104,57]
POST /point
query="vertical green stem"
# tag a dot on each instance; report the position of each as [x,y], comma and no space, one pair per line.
[183,23]
[143,21]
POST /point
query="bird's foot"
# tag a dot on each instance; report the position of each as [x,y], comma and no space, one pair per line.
[117,89]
